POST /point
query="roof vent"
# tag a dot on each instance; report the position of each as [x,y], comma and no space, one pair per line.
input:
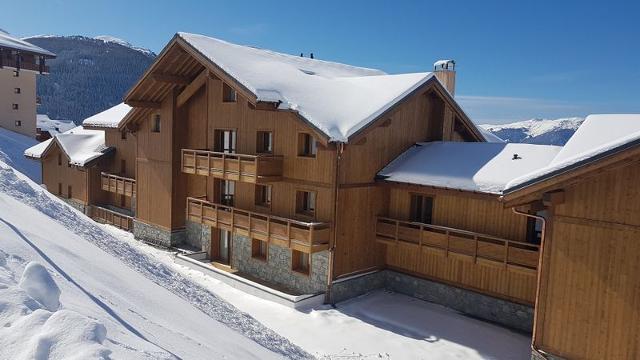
[516,157]
[445,71]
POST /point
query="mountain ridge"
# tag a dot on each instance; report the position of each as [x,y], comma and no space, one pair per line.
[537,130]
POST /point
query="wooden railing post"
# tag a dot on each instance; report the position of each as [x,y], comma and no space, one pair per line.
[310,239]
[447,249]
[289,233]
[506,253]
[249,229]
[397,231]
[475,249]
[421,234]
[268,229]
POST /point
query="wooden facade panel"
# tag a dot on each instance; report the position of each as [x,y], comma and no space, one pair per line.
[592,301]
[125,151]
[485,216]
[62,176]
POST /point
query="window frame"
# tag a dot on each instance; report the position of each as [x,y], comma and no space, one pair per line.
[304,146]
[228,90]
[17,90]
[265,205]
[298,265]
[18,123]
[15,106]
[217,139]
[156,123]
[420,216]
[260,142]
[259,250]
[300,203]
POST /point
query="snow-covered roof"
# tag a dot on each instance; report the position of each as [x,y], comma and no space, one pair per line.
[80,145]
[597,136]
[8,41]
[109,118]
[53,127]
[335,98]
[489,136]
[469,166]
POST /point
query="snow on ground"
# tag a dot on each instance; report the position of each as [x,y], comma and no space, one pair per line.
[12,147]
[379,325]
[124,299]
[147,310]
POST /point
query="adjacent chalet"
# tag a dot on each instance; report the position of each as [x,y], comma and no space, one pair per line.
[307,178]
[20,62]
[46,127]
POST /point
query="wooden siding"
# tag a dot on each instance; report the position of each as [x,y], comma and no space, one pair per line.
[588,306]
[54,174]
[421,117]
[483,215]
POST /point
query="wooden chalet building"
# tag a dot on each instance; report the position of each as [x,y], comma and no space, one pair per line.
[314,177]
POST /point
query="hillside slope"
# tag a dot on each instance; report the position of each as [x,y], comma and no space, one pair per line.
[537,131]
[88,75]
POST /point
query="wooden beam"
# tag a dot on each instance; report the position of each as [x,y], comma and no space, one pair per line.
[192,88]
[171,79]
[144,104]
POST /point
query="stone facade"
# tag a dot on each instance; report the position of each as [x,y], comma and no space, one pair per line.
[198,236]
[506,313]
[157,236]
[277,267]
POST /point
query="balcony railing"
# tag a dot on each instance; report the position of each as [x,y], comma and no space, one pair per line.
[24,65]
[118,184]
[237,167]
[107,216]
[480,248]
[298,235]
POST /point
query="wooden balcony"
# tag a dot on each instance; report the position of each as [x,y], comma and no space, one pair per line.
[107,216]
[24,65]
[118,184]
[237,167]
[308,237]
[466,245]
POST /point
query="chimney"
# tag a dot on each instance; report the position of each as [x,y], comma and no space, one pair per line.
[445,71]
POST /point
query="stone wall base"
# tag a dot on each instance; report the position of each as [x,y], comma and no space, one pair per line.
[157,236]
[198,236]
[276,268]
[503,312]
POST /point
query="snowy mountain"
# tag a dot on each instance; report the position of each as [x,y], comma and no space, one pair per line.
[537,131]
[89,75]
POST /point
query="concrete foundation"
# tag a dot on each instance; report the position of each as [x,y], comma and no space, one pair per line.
[503,312]
[156,235]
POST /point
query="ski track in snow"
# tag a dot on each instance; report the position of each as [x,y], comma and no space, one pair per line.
[159,273]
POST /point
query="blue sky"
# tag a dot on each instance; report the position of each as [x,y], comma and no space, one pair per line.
[516,59]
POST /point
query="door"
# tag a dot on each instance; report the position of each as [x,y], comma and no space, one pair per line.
[226,191]
[221,246]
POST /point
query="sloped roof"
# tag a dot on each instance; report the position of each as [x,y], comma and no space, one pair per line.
[80,145]
[10,42]
[597,137]
[335,98]
[110,118]
[45,123]
[469,166]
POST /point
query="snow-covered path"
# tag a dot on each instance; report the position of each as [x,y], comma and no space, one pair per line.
[149,310]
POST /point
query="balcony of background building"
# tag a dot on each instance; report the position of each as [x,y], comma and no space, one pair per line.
[120,218]
[237,167]
[303,236]
[462,244]
[118,184]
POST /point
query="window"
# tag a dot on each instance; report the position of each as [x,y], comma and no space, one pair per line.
[155,127]
[14,106]
[258,249]
[59,189]
[264,142]
[69,194]
[228,94]
[18,123]
[263,195]
[534,228]
[17,90]
[227,189]
[59,159]
[16,73]
[300,261]
[224,141]
[123,135]
[306,203]
[307,145]
[421,208]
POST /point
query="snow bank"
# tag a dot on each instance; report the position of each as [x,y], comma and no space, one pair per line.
[12,148]
[38,284]
[31,324]
[337,99]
